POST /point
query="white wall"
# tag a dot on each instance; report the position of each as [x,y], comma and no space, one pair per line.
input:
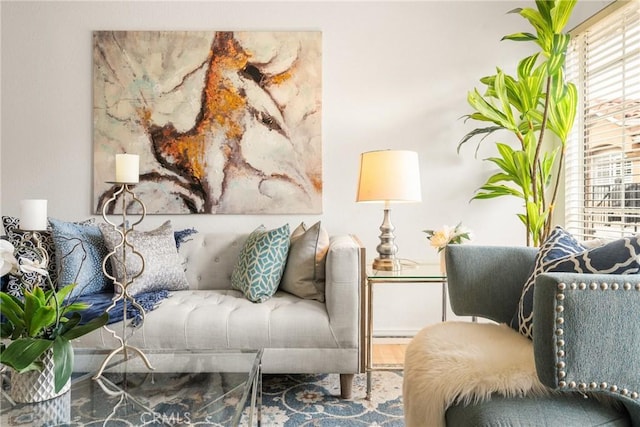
[396,75]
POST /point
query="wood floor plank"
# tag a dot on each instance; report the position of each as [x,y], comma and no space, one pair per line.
[389,354]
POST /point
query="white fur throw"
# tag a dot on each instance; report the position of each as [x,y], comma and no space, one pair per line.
[454,362]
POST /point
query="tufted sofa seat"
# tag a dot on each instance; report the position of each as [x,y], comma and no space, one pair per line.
[298,335]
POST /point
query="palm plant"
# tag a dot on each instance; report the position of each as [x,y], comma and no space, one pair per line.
[538,107]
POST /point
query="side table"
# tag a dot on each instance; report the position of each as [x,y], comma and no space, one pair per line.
[414,273]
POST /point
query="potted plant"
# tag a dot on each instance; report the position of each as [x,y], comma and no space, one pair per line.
[537,107]
[39,328]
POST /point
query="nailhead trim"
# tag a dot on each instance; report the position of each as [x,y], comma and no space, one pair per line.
[561,373]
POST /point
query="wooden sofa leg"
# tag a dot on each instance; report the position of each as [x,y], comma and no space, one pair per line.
[346,385]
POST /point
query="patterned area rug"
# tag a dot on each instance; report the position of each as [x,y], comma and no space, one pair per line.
[314,400]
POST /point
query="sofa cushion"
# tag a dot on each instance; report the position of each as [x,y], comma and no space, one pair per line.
[304,272]
[80,250]
[561,252]
[162,267]
[225,319]
[261,262]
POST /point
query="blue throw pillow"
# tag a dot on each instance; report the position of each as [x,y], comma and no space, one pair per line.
[617,257]
[261,262]
[80,249]
[558,245]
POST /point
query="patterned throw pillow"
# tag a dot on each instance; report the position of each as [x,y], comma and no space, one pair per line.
[261,262]
[162,268]
[18,239]
[559,244]
[305,268]
[562,253]
[80,250]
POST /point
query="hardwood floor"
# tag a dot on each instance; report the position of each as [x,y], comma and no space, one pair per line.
[389,354]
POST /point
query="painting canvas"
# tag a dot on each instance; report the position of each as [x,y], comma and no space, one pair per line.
[224,122]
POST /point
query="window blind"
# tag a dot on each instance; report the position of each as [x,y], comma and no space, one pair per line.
[602,175]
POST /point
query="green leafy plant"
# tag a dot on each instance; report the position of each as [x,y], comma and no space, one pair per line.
[538,107]
[43,320]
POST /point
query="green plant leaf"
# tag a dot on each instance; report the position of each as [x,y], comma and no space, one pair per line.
[12,308]
[42,318]
[543,28]
[491,191]
[480,131]
[560,14]
[91,325]
[6,330]
[485,108]
[62,362]
[62,293]
[527,65]
[520,37]
[23,352]
[501,92]
[545,6]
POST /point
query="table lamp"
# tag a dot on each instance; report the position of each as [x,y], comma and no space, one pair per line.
[388,176]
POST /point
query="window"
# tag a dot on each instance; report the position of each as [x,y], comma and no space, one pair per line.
[602,184]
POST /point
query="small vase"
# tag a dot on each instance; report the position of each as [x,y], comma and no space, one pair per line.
[36,386]
[443,263]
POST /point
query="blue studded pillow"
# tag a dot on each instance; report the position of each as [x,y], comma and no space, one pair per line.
[261,262]
[559,244]
[80,250]
[617,257]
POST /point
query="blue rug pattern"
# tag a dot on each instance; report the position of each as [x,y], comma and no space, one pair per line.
[314,400]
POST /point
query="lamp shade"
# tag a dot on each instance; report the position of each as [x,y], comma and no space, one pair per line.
[389,176]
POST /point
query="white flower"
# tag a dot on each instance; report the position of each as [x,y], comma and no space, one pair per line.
[8,262]
[440,238]
[28,266]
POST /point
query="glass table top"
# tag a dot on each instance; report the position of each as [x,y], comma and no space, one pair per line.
[409,270]
[185,388]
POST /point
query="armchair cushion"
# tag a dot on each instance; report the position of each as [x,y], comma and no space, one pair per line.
[556,410]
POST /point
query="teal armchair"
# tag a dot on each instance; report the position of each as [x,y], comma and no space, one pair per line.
[586,341]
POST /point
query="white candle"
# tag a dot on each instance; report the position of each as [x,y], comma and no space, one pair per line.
[33,214]
[127,168]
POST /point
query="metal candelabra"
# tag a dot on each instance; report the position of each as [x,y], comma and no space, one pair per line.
[121,287]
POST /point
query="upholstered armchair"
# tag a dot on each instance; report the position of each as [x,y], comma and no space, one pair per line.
[585,351]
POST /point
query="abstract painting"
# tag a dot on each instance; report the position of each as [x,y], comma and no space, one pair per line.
[224,122]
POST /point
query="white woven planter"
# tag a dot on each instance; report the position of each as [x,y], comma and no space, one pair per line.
[36,386]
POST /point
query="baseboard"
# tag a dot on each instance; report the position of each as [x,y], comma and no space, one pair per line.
[392,340]
[395,333]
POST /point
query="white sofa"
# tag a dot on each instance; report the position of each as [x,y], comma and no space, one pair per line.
[298,335]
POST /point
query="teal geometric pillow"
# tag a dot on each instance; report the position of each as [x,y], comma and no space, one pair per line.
[261,262]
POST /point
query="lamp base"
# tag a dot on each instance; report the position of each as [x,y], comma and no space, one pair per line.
[386,264]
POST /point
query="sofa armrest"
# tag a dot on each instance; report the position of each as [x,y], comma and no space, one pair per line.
[343,278]
[487,281]
[587,334]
